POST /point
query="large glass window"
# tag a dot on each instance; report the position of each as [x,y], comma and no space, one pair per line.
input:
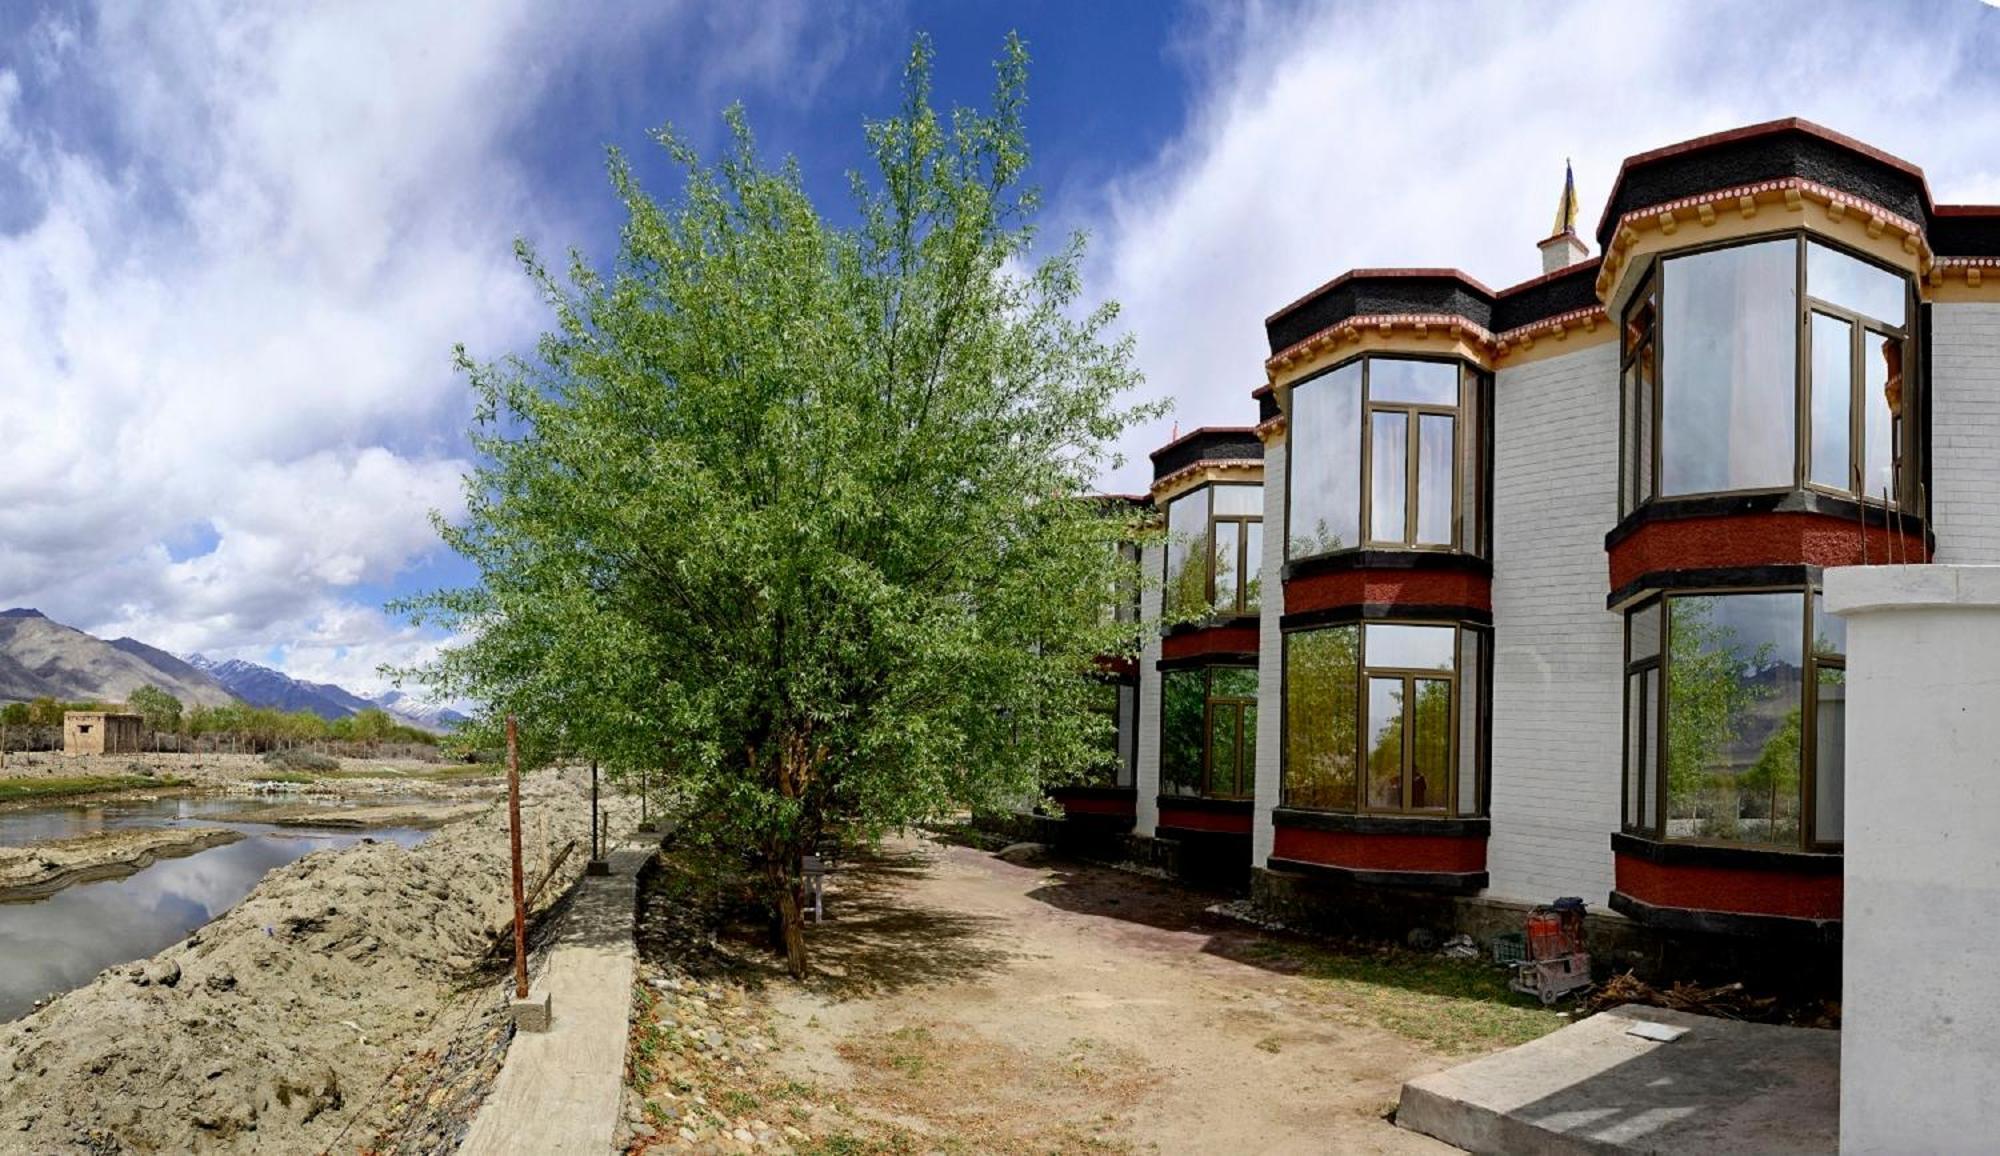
[1384,452]
[1732,382]
[1384,717]
[1208,732]
[1719,688]
[1215,550]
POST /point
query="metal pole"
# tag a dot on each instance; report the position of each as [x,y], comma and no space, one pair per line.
[514,842]
[596,851]
[642,799]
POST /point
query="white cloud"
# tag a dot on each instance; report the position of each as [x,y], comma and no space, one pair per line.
[252,235]
[1329,137]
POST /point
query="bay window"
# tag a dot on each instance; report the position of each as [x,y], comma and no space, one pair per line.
[1766,366]
[1384,452]
[1734,713]
[1215,548]
[1384,717]
[1208,732]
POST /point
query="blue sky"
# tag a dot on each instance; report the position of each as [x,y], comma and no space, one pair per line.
[238,240]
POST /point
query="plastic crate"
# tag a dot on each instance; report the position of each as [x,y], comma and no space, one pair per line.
[1510,947]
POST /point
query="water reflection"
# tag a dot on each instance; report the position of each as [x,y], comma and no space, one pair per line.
[60,942]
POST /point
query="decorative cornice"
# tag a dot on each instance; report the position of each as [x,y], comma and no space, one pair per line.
[1272,430]
[1379,332]
[1208,470]
[1843,212]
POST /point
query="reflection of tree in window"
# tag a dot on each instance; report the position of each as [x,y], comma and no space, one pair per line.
[1733,689]
[1321,717]
[1183,710]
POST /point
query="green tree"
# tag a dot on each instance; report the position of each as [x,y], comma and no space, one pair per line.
[159,710]
[784,508]
[1710,695]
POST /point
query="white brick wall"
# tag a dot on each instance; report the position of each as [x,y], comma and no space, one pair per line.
[1147,816]
[1965,431]
[1557,704]
[1270,654]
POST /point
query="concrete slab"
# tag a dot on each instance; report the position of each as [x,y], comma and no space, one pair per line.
[1593,1088]
[561,1090]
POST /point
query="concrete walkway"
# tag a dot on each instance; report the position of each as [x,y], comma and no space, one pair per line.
[560,1091]
[1592,1088]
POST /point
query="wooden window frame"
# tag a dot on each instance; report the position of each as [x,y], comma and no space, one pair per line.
[1813,661]
[1907,452]
[1362,673]
[1248,568]
[1469,459]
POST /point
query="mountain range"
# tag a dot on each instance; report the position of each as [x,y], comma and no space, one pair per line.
[40,657]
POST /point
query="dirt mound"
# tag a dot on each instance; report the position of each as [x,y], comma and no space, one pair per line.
[37,872]
[294,1022]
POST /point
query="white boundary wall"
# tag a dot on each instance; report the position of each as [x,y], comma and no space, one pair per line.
[1920,1038]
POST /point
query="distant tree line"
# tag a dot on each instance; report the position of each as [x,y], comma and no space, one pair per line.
[238,727]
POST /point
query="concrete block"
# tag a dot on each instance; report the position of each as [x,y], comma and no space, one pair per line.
[533,1014]
[597,867]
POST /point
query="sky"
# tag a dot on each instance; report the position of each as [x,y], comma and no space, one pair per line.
[239,241]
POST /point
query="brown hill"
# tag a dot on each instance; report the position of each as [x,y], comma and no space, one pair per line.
[40,657]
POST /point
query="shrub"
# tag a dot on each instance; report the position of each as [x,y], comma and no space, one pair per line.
[300,761]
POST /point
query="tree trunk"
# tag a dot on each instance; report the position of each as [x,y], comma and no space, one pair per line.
[780,873]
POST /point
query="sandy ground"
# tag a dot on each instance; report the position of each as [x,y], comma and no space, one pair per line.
[331,1010]
[28,873]
[422,816]
[1028,1008]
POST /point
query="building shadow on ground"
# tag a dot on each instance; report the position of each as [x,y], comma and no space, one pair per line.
[875,941]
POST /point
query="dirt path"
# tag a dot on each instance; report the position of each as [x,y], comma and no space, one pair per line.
[1071,1008]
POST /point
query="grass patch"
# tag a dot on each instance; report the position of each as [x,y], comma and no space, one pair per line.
[1453,1005]
[19,790]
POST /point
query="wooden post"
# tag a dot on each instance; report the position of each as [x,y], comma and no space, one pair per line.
[514,843]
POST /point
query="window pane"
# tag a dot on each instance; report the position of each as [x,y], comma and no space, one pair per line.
[1225,565]
[1222,750]
[1635,745]
[1733,702]
[1649,760]
[1246,771]
[1436,448]
[1325,440]
[1253,564]
[1410,647]
[1419,382]
[1829,630]
[1233,682]
[1628,485]
[1391,476]
[1851,283]
[1385,743]
[1431,769]
[1729,324]
[1128,734]
[1238,501]
[1881,397]
[1104,704]
[1320,672]
[1645,633]
[1187,553]
[1832,399]
[1468,472]
[1830,757]
[1468,722]
[1649,383]
[1183,702]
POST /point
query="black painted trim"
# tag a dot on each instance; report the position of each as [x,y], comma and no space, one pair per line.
[1669,853]
[1233,622]
[1113,794]
[1204,803]
[1205,445]
[1787,152]
[1204,661]
[1343,823]
[1385,612]
[1722,577]
[1731,923]
[1547,297]
[1771,502]
[1447,882]
[1369,294]
[1344,561]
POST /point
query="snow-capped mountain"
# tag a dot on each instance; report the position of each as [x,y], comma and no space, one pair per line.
[262,686]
